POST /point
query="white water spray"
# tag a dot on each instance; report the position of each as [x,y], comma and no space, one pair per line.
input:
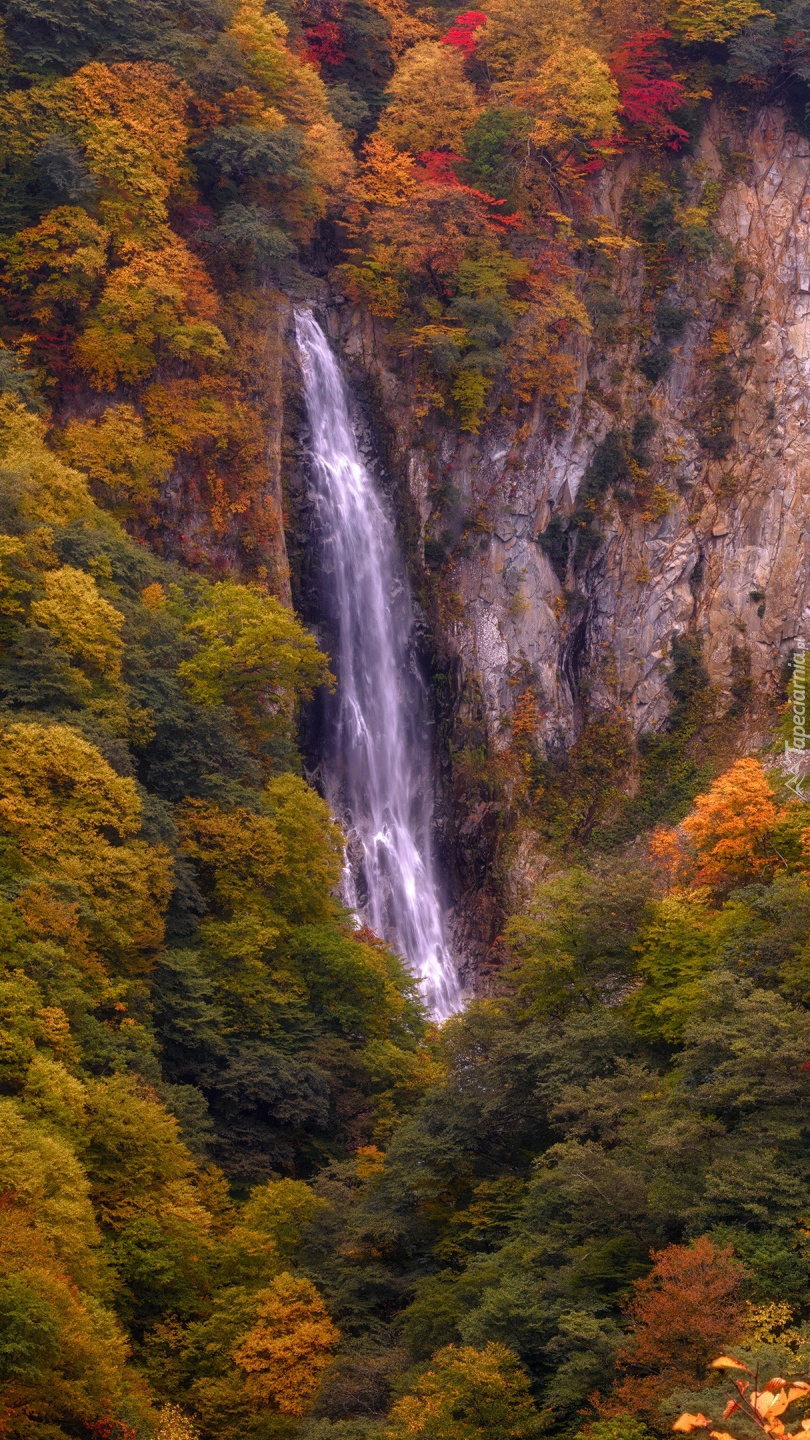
[377,760]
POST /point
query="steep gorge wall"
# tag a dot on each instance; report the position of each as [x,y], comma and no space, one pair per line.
[728,560]
[736,525]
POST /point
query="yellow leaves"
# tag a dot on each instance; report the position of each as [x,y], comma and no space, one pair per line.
[246,106]
[770,1323]
[147,99]
[209,420]
[719,343]
[725,1362]
[154,597]
[75,821]
[282,1210]
[21,558]
[42,1174]
[697,21]
[330,160]
[289,1347]
[128,120]
[522,34]
[49,492]
[174,1424]
[238,852]
[301,97]
[158,302]
[369,1162]
[574,98]
[431,102]
[399,1078]
[406,29]
[469,390]
[254,655]
[57,263]
[84,623]
[262,39]
[291,857]
[536,365]
[387,177]
[136,1158]
[131,120]
[466,1394]
[57,790]
[312,846]
[116,454]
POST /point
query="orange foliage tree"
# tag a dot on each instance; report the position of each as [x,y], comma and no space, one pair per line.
[689,1305]
[730,825]
[207,421]
[286,1352]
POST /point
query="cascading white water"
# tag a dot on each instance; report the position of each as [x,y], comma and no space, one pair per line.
[377,757]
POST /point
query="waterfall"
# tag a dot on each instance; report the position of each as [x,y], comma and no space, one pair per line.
[377,752]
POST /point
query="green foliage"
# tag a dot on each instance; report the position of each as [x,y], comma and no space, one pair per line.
[254,655]
[468,1393]
[492,148]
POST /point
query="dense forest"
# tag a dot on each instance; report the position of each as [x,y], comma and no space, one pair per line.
[249,1189]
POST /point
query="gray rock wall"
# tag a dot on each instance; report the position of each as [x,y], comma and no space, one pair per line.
[735,526]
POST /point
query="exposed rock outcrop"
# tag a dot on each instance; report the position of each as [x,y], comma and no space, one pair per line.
[735,526]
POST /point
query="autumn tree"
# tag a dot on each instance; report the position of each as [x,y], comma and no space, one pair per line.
[131,121]
[63,1355]
[158,305]
[86,625]
[296,94]
[676,950]
[463,31]
[575,101]
[125,466]
[207,424]
[730,825]
[690,1305]
[253,655]
[75,823]
[520,35]
[431,103]
[51,271]
[697,21]
[465,1394]
[405,29]
[284,1354]
[269,1348]
[648,92]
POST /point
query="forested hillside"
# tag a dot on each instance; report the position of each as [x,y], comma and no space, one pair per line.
[248,1188]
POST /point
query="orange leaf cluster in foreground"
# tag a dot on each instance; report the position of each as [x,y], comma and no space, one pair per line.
[761,1407]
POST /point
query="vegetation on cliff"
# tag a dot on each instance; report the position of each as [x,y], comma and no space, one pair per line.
[247,1190]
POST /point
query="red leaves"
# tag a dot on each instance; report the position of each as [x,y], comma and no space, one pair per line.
[647,89]
[325,43]
[436,168]
[462,32]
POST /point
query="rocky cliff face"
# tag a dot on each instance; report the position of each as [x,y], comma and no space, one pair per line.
[721,546]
